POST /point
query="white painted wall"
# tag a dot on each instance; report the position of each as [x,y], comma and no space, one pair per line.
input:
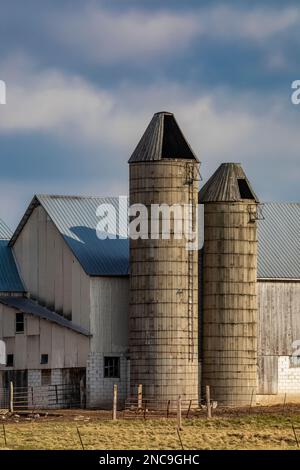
[65,348]
[51,273]
[288,376]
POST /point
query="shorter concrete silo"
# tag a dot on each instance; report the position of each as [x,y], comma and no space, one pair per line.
[229,302]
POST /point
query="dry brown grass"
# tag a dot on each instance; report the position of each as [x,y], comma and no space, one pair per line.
[267,431]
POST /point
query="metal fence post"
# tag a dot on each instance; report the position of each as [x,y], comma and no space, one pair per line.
[56,394]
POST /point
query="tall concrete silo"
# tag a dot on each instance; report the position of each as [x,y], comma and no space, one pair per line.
[229,302]
[163,273]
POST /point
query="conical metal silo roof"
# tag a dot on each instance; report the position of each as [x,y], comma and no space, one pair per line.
[162,139]
[228,184]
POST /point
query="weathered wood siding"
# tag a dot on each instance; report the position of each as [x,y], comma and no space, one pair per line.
[50,271]
[278,317]
[267,375]
[278,328]
[65,348]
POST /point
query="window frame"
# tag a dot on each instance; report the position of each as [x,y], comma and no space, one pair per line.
[111,367]
[43,363]
[18,322]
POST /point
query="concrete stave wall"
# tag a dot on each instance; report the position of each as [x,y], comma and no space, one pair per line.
[229,302]
[163,349]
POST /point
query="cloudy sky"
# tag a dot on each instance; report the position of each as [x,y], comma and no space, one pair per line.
[84,79]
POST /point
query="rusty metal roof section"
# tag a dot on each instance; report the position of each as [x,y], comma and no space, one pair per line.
[162,139]
[228,184]
[25,305]
[5,232]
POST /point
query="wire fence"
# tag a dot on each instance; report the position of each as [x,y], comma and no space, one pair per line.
[44,397]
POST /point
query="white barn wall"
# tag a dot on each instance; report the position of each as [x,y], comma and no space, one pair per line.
[65,348]
[54,277]
[50,271]
[109,324]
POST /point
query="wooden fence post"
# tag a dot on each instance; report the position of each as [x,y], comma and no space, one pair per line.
[140,396]
[179,423]
[208,403]
[115,401]
[11,397]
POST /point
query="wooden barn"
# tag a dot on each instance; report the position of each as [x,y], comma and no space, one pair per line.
[70,320]
[279,302]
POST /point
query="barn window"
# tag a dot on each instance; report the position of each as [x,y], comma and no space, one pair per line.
[44,359]
[294,361]
[46,377]
[19,322]
[112,367]
[10,360]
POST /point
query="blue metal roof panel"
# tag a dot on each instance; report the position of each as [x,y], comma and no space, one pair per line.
[9,277]
[25,305]
[76,219]
[279,241]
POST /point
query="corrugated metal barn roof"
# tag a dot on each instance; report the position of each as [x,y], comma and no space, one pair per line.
[25,305]
[228,184]
[5,232]
[162,139]
[9,277]
[76,219]
[279,241]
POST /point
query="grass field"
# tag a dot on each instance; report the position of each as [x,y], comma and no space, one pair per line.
[262,431]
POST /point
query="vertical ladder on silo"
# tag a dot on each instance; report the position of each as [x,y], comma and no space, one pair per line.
[190,182]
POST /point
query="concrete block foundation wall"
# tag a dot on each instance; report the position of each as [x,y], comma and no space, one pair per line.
[288,376]
[39,394]
[99,388]
[34,378]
